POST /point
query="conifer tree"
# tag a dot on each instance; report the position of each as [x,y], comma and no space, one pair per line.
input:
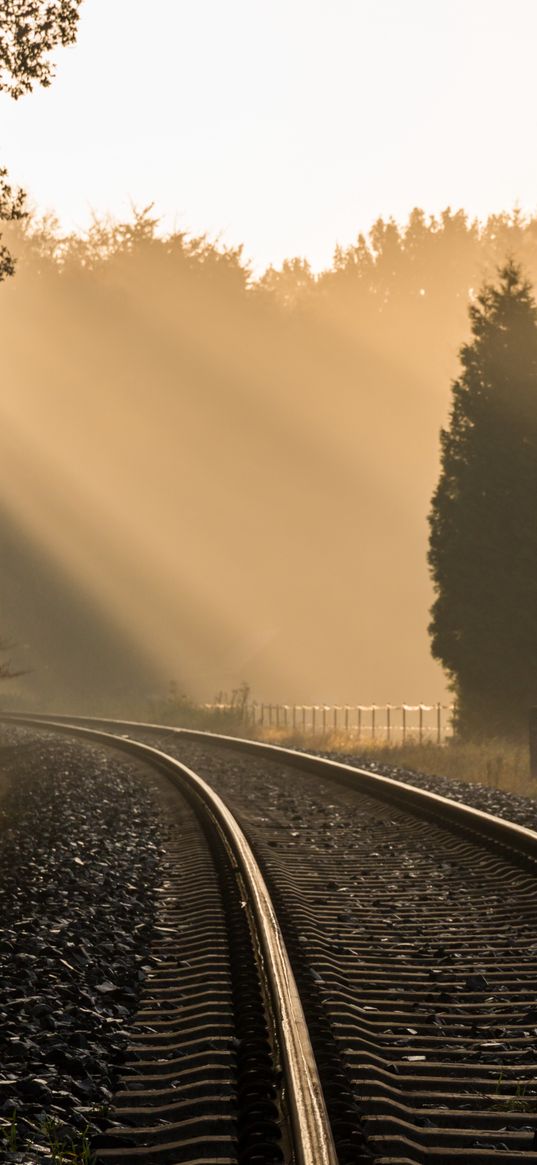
[483,521]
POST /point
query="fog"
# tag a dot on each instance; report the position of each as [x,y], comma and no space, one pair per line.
[213,480]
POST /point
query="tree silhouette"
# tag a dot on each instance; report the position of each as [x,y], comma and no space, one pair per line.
[29,30]
[483,538]
[11,208]
[346,373]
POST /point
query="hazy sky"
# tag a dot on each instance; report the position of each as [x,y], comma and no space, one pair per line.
[288,125]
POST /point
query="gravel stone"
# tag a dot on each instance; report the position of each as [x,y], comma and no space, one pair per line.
[79,866]
[510,806]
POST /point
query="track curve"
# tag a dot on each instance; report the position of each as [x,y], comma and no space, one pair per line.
[308,1138]
[429,986]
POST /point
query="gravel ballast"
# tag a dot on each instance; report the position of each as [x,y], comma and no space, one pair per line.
[79,867]
[510,806]
[80,864]
[415,954]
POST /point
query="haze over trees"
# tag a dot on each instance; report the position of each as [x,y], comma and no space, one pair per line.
[483,545]
[233,472]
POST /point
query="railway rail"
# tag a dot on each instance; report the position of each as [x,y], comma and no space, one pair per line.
[409,921]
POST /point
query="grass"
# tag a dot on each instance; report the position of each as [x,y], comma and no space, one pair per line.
[500,764]
[61,1150]
[521,1100]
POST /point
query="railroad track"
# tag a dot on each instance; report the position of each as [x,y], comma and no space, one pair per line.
[409,922]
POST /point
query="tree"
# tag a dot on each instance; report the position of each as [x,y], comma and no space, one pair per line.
[11,207]
[29,30]
[483,532]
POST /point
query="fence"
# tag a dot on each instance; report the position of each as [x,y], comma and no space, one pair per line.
[388,723]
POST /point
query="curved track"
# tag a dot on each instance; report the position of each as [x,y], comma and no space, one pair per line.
[281,1114]
[410,924]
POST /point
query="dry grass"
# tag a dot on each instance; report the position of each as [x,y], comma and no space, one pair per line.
[501,764]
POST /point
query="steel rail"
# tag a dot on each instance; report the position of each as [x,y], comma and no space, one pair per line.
[311,1132]
[425,1030]
[486,829]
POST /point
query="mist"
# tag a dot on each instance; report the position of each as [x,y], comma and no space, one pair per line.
[211,478]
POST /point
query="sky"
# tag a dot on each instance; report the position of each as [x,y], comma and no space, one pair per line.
[284,125]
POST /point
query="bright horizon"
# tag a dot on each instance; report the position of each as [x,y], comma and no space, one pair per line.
[288,128]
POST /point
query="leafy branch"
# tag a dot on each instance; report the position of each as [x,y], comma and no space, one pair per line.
[29,31]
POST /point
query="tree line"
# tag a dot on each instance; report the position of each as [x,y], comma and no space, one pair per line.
[379,326]
[312,403]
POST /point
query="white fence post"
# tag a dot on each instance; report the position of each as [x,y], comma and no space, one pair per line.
[439,729]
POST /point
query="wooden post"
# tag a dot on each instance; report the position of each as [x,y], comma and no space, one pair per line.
[277,715]
[335,718]
[324,718]
[388,723]
[404,722]
[373,720]
[421,725]
[439,724]
[359,722]
[270,715]
[304,718]
[346,718]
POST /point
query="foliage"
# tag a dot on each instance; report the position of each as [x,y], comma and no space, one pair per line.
[345,374]
[483,542]
[225,714]
[11,209]
[29,30]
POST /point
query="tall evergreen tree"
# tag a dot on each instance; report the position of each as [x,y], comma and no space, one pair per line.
[483,539]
